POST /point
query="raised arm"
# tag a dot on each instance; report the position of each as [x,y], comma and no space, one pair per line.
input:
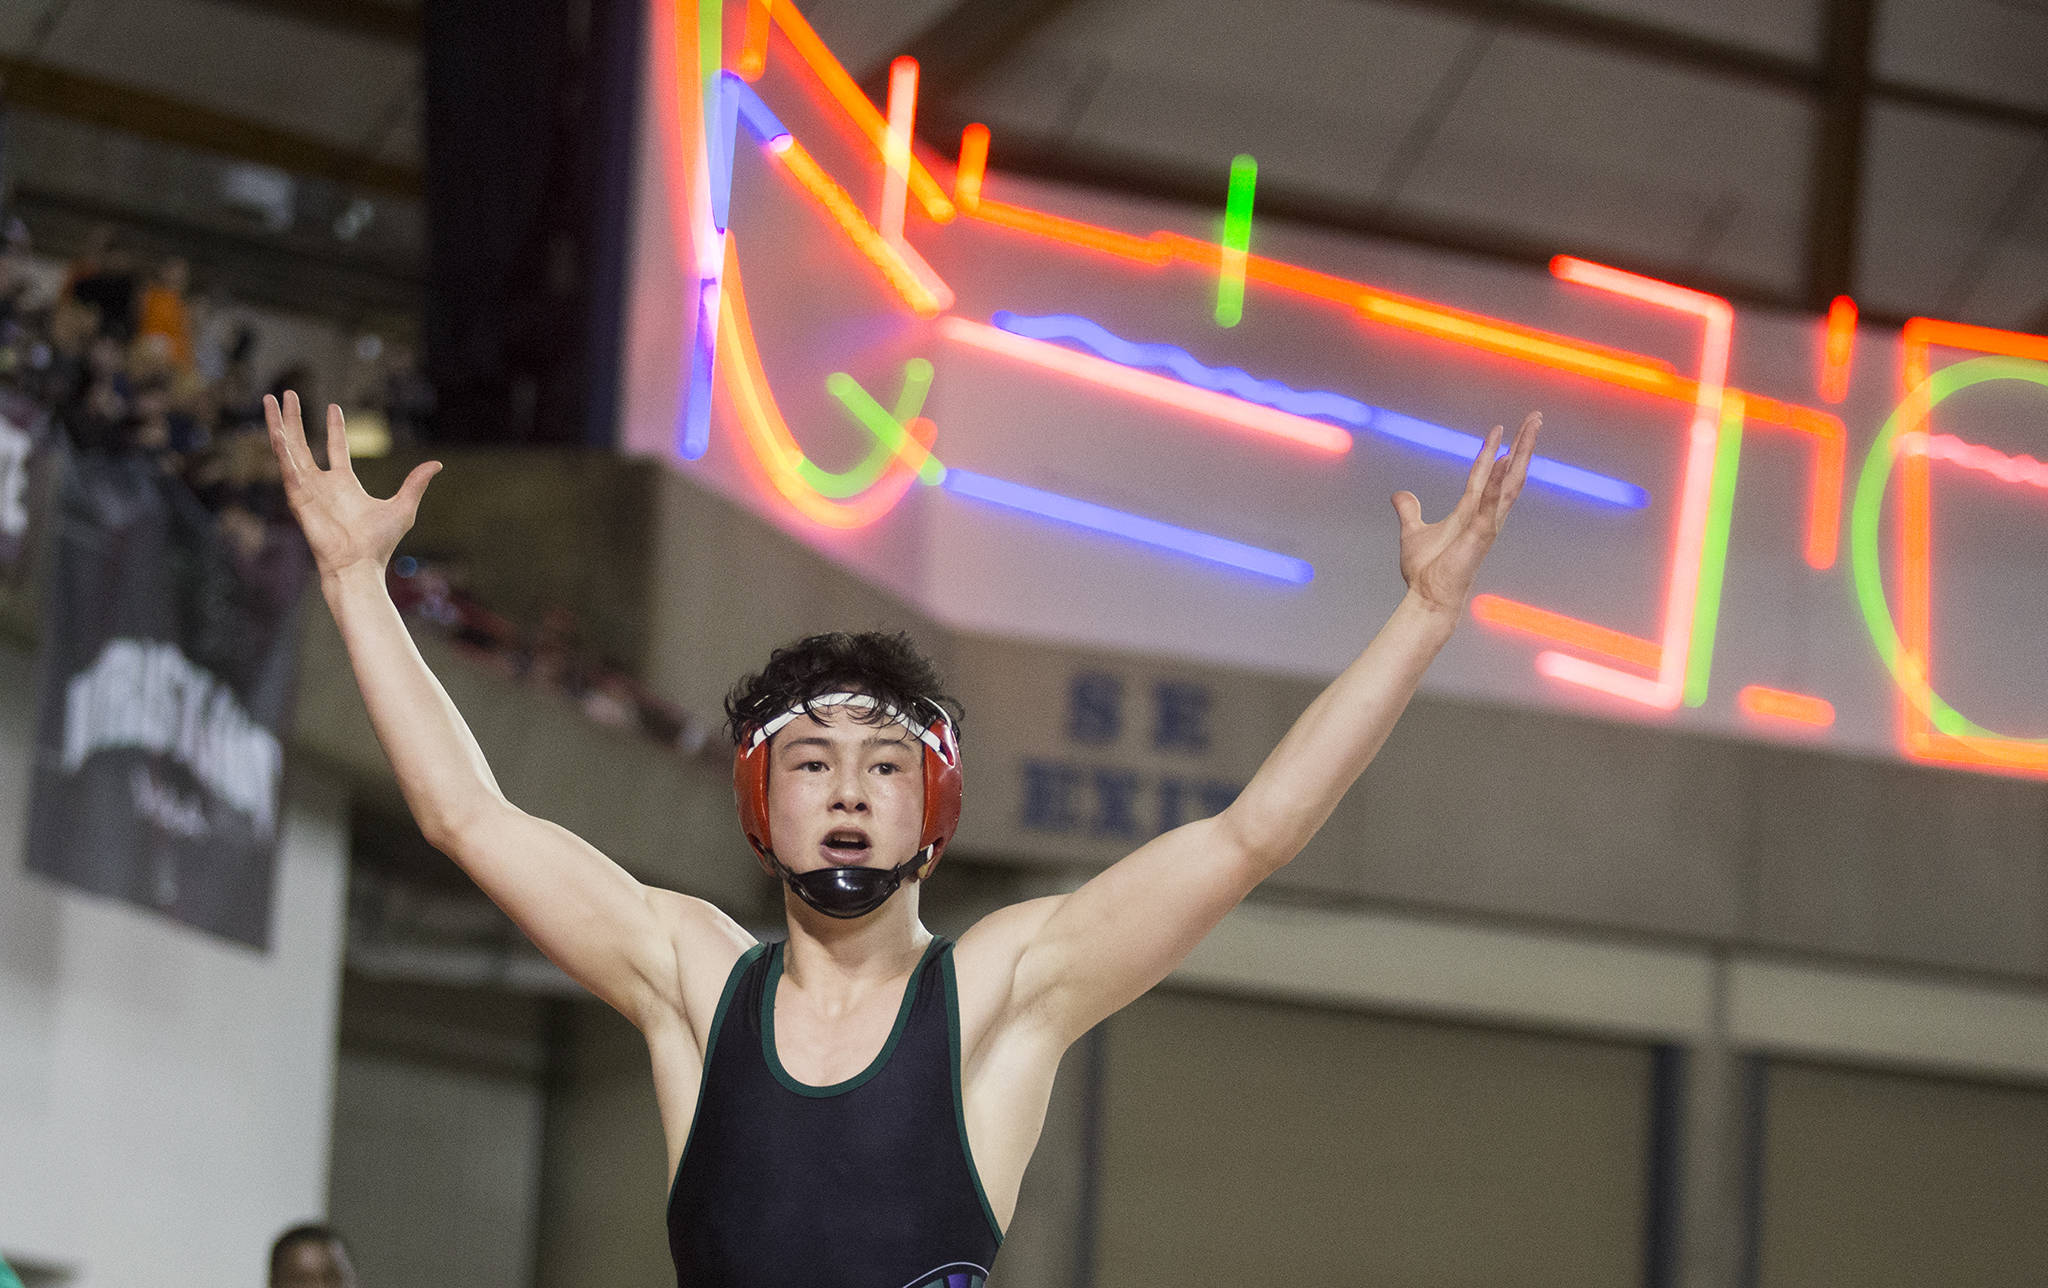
[632,945]
[1081,957]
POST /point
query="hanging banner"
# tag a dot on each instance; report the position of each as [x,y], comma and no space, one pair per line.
[167,672]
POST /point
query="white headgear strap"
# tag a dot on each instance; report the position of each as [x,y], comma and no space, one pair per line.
[924,733]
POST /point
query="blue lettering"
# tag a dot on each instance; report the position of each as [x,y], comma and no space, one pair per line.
[1181,716]
[1095,703]
[1116,802]
[1049,796]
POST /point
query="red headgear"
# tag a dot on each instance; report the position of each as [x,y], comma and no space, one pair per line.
[941,775]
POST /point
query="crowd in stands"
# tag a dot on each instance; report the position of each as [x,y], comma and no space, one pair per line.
[115,356]
[125,361]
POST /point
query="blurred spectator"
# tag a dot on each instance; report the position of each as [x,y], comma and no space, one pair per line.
[17,275]
[311,1256]
[236,391]
[104,277]
[408,398]
[612,698]
[164,312]
[556,658]
[299,379]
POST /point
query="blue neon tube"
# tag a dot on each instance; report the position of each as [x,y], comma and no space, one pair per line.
[1131,527]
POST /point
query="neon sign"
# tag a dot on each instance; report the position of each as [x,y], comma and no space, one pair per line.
[1664,669]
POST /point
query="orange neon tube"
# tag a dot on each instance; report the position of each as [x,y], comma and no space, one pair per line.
[1650,290]
[754,42]
[1921,740]
[1916,592]
[1682,582]
[1838,348]
[1143,384]
[836,82]
[1512,615]
[896,149]
[768,433]
[1830,465]
[1916,522]
[1605,679]
[1920,333]
[1563,355]
[920,288]
[1074,232]
[1762,704]
[973,165]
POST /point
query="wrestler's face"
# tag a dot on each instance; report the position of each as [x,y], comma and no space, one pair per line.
[844,793]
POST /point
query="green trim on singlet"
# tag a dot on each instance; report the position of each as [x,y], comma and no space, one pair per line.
[7,1279]
[959,1092]
[732,985]
[775,959]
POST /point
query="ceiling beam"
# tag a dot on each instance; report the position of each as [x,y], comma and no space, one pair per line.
[963,42]
[397,24]
[284,273]
[1834,199]
[1623,35]
[121,107]
[1941,100]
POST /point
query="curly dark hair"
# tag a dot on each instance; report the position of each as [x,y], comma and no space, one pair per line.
[886,666]
[311,1232]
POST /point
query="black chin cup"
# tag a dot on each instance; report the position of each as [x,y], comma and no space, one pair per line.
[851,891]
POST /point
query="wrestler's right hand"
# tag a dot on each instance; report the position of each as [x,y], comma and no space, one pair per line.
[345,526]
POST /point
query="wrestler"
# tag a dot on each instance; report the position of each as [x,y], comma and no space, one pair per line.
[855,1105]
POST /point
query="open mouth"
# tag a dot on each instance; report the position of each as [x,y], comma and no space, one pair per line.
[845,845]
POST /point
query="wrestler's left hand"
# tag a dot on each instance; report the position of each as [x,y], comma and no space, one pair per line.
[1439,560]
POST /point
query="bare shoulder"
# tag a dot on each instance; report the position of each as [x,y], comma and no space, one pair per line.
[986,961]
[703,945]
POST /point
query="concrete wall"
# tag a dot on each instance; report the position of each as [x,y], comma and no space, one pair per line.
[163,1094]
[1886,1181]
[1251,1143]
[437,1134]
[601,1210]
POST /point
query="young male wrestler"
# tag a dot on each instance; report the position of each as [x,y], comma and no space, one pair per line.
[855,1106]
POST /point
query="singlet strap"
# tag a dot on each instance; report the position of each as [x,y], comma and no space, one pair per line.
[725,996]
[946,969]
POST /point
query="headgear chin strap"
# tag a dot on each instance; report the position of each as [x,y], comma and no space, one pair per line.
[850,891]
[853,891]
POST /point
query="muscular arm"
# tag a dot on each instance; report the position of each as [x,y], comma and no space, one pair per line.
[631,945]
[1094,951]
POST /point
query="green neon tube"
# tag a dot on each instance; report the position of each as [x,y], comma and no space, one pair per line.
[1237,239]
[1706,611]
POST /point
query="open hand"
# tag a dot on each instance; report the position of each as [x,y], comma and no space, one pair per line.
[1439,560]
[343,524]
